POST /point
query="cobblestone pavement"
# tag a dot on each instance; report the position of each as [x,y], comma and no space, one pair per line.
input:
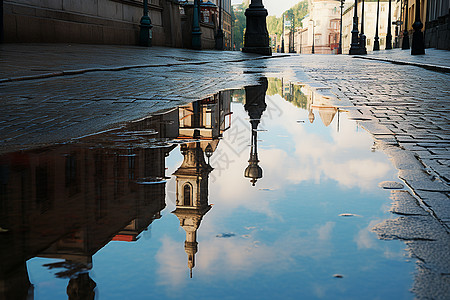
[52,93]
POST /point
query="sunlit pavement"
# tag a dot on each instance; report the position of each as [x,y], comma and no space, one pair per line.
[52,93]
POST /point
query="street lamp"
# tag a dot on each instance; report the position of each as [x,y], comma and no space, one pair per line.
[340,30]
[354,46]
[196,32]
[376,43]
[145,32]
[256,34]
[219,36]
[362,36]
[405,42]
[389,34]
[312,49]
[282,38]
[418,45]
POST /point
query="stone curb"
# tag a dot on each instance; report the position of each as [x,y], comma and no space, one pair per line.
[123,68]
[437,68]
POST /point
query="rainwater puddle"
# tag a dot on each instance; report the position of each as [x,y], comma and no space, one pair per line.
[269,192]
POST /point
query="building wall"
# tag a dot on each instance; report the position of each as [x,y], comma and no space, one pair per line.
[437,24]
[89,21]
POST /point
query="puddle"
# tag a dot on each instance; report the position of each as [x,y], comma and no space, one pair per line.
[265,192]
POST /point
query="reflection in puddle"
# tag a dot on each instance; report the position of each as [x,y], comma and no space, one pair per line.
[308,220]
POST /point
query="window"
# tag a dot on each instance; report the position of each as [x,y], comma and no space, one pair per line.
[187,195]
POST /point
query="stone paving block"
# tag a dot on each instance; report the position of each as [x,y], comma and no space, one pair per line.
[406,204]
[438,202]
[420,180]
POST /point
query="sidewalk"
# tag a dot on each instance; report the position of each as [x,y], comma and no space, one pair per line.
[33,61]
[436,60]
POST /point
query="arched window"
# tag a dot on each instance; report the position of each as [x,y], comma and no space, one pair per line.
[187,195]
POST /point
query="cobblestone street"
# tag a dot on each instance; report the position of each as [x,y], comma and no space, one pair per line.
[53,94]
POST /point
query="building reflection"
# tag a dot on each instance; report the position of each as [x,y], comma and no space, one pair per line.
[202,124]
[68,201]
[255,105]
[306,97]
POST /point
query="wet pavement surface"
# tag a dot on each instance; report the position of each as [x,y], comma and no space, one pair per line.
[335,138]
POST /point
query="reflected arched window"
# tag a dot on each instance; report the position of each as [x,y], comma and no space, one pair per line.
[187,195]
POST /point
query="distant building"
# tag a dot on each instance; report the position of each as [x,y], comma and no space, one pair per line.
[321,25]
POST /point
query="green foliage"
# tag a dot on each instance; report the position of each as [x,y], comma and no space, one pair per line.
[295,14]
[239,21]
[274,86]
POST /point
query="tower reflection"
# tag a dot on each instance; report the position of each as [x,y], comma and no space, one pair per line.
[255,105]
[203,123]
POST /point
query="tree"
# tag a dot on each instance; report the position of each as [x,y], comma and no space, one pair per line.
[295,14]
[239,23]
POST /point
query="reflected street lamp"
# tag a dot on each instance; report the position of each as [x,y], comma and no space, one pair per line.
[209,152]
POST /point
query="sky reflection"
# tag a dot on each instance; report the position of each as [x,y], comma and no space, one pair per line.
[303,230]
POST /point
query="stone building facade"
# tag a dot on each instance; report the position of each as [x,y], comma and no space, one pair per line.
[103,22]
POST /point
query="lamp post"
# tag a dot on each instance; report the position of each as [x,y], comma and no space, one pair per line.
[282,38]
[256,34]
[292,37]
[389,34]
[376,43]
[312,49]
[405,41]
[362,36]
[145,32]
[340,29]
[418,45]
[354,46]
[219,36]
[196,32]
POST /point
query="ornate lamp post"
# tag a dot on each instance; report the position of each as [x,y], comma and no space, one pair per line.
[256,34]
[376,43]
[219,36]
[405,41]
[354,46]
[196,32]
[340,30]
[362,36]
[389,34]
[418,45]
[145,33]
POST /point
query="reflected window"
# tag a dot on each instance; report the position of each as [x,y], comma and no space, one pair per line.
[187,195]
